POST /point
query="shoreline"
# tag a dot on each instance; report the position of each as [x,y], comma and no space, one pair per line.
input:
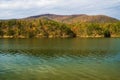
[12,37]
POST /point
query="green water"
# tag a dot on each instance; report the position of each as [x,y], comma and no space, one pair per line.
[60,59]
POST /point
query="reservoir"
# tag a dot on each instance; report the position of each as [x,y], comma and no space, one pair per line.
[60,59]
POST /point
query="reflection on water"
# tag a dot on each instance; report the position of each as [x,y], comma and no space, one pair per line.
[60,59]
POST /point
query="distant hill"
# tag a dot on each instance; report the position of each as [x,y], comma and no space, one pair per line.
[76,18]
[60,26]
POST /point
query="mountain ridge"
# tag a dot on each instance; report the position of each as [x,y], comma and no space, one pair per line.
[60,26]
[75,18]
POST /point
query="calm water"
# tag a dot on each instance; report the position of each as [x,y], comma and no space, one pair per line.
[60,59]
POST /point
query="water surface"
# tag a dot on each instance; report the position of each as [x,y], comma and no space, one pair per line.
[60,59]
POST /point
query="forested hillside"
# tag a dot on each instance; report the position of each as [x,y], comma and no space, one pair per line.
[76,18]
[54,27]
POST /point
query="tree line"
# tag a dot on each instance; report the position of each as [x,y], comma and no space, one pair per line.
[42,27]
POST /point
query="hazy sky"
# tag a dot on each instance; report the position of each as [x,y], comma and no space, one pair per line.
[24,8]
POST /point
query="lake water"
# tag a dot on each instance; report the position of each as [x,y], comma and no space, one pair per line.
[60,59]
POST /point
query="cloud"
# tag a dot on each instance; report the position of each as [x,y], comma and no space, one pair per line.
[24,8]
[24,4]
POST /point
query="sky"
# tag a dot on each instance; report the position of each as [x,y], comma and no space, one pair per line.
[24,8]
